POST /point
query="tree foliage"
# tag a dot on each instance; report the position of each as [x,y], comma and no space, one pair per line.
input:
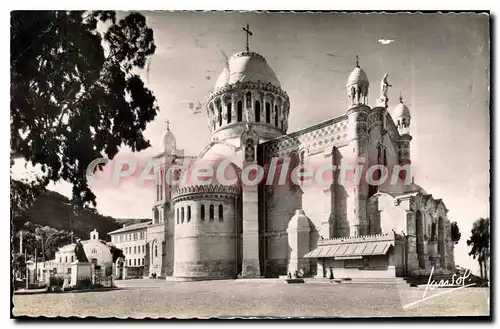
[75,92]
[455,232]
[43,240]
[23,194]
[116,253]
[479,242]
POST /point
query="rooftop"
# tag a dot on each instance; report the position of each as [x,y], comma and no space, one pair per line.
[131,227]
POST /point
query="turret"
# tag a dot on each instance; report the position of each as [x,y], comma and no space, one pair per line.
[168,140]
[357,135]
[402,118]
[357,86]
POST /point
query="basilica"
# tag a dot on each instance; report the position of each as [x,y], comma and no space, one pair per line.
[238,230]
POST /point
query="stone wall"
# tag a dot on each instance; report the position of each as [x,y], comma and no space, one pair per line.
[281,203]
[206,245]
[368,267]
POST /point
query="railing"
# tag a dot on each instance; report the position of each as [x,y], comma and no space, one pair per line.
[361,238]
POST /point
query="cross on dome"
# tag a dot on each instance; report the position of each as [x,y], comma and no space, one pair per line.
[167,123]
[248,33]
[357,61]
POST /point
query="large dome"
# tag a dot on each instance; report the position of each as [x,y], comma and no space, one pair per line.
[246,67]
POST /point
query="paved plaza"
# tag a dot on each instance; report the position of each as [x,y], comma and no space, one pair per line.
[233,298]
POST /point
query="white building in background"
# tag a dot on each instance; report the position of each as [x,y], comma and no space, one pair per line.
[131,240]
[96,250]
[143,246]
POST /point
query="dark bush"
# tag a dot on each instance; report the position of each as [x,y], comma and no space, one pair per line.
[56,281]
[19,284]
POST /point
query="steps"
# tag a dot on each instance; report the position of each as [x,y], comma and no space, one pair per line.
[362,281]
[373,281]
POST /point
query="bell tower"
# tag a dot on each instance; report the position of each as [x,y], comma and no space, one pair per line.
[357,136]
[402,119]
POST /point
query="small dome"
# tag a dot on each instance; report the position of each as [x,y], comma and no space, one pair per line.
[401,110]
[244,67]
[168,141]
[357,77]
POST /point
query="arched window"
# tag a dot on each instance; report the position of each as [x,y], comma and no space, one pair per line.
[221,213]
[249,100]
[212,114]
[220,117]
[177,215]
[202,212]
[188,213]
[433,232]
[240,111]
[156,217]
[182,215]
[257,111]
[211,212]
[268,112]
[156,250]
[276,115]
[160,183]
[385,157]
[419,231]
[229,114]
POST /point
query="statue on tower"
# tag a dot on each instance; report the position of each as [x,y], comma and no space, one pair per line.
[384,87]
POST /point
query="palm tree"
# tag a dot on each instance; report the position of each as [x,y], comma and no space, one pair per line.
[480,242]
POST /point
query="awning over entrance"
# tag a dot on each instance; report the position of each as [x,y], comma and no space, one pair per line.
[350,250]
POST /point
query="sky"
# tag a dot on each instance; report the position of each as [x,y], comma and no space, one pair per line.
[440,64]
